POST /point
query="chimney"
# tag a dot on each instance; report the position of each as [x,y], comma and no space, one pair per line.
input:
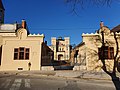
[101,24]
[46,42]
[23,24]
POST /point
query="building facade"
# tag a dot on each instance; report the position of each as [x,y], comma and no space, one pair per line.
[47,55]
[20,50]
[88,54]
[61,48]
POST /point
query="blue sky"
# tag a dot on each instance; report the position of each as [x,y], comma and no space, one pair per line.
[54,18]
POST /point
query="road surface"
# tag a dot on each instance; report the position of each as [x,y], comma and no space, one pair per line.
[18,82]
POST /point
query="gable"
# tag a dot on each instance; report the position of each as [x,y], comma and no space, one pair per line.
[104,29]
[22,33]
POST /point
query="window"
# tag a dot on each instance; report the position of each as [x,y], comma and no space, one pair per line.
[21,53]
[67,56]
[66,48]
[15,53]
[111,52]
[27,53]
[60,48]
[76,53]
[106,52]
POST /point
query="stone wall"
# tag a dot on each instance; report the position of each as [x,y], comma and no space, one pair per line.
[47,68]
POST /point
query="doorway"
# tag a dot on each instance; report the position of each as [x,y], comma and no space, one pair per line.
[60,57]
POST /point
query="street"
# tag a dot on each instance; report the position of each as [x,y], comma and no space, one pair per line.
[19,82]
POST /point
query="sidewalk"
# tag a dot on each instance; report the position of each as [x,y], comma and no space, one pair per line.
[84,75]
[63,74]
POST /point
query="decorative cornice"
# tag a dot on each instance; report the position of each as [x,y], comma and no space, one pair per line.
[36,35]
[91,34]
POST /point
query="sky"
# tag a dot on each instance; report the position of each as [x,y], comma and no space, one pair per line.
[54,18]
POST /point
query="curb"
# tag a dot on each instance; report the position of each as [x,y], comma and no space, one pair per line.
[49,75]
[64,77]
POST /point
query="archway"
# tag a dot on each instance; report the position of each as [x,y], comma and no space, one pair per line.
[60,57]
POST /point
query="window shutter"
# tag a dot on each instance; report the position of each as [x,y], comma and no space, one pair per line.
[109,53]
[105,52]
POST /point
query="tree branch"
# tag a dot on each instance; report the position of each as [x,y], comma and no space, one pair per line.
[115,57]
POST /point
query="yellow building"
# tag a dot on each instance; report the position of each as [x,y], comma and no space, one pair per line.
[61,48]
[88,54]
[20,50]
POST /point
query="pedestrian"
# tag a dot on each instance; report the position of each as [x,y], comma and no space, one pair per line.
[29,65]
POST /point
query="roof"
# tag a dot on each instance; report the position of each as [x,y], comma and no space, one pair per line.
[116,29]
[7,27]
[99,30]
[1,5]
[80,44]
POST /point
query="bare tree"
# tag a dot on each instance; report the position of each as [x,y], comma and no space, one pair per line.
[78,4]
[81,4]
[112,73]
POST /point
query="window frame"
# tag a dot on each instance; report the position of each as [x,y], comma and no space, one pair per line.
[16,52]
[21,53]
[27,56]
[107,51]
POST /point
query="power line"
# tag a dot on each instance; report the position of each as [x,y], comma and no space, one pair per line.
[62,28]
[83,28]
